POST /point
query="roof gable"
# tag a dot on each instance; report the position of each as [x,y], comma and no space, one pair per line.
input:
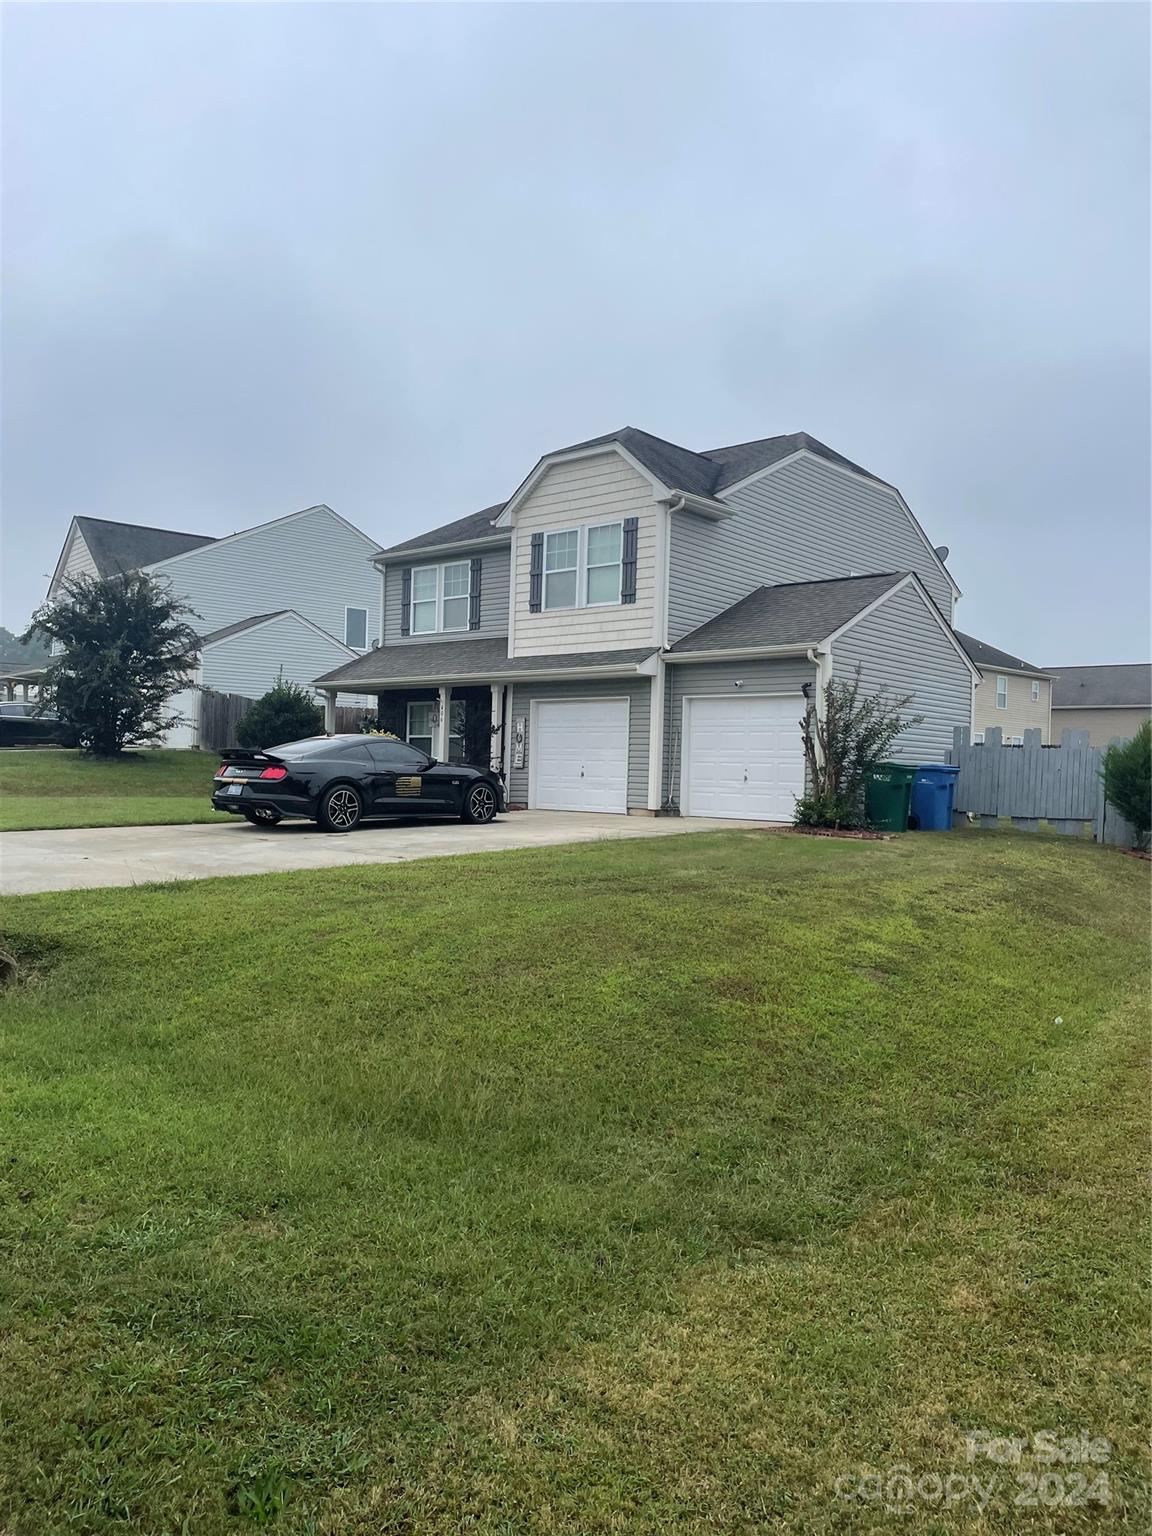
[118,548]
[985,655]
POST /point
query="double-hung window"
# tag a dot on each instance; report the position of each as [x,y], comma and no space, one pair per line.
[425,599]
[561,566]
[583,567]
[1035,690]
[440,597]
[356,628]
[604,552]
[456,579]
[1001,693]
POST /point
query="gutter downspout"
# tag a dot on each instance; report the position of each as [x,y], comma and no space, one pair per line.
[822,661]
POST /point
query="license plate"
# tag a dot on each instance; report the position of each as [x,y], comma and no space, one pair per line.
[233,789]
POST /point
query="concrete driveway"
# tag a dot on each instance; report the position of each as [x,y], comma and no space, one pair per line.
[84,858]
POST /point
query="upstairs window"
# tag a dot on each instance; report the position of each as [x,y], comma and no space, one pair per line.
[456,583]
[561,559]
[356,628]
[425,595]
[584,567]
[604,560]
[1001,693]
[1035,690]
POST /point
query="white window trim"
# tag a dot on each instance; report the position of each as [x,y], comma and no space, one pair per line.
[1035,690]
[429,704]
[441,628]
[355,608]
[1001,679]
[581,530]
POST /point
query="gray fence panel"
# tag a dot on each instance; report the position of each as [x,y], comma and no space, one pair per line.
[1030,785]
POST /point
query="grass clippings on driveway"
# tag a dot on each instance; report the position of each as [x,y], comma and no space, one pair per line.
[57,787]
[634,1187]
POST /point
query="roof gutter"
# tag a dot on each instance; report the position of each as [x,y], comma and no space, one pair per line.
[744,652]
[703,506]
[989,668]
[399,556]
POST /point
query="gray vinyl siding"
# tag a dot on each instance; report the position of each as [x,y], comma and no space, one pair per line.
[250,662]
[900,646]
[771,675]
[638,692]
[495,575]
[804,522]
[314,563]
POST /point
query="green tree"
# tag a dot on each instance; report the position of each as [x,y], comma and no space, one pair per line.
[19,654]
[1127,774]
[843,741]
[286,712]
[126,648]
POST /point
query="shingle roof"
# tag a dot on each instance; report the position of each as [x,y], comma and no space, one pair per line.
[120,547]
[680,469]
[240,625]
[478,525]
[985,656]
[1122,685]
[798,613]
[440,661]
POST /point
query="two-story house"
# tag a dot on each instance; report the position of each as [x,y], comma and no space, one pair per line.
[293,597]
[1013,694]
[637,627]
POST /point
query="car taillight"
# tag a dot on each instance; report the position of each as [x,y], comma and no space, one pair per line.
[274,773]
[222,770]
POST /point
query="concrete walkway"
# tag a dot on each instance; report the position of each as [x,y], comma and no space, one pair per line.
[85,858]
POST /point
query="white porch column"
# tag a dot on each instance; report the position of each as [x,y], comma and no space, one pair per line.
[330,711]
[440,740]
[496,745]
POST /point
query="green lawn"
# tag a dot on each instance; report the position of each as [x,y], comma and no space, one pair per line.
[632,1187]
[53,787]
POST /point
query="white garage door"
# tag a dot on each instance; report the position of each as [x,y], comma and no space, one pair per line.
[579,749]
[743,757]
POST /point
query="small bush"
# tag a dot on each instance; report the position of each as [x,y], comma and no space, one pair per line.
[1127,775]
[287,712]
[844,740]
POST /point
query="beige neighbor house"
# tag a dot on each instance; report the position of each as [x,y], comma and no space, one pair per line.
[1107,702]
[1011,693]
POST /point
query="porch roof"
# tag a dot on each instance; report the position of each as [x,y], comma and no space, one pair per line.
[470,661]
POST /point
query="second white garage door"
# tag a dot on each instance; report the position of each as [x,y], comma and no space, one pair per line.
[578,753]
[743,757]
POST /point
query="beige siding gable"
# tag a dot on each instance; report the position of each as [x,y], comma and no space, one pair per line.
[600,488]
[1021,713]
[77,560]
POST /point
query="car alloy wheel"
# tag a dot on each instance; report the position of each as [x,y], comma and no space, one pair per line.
[481,803]
[342,809]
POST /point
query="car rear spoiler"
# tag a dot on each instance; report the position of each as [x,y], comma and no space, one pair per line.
[248,755]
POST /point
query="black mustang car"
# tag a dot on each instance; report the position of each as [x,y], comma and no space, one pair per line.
[337,781]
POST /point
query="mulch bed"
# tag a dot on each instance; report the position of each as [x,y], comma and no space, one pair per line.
[1135,853]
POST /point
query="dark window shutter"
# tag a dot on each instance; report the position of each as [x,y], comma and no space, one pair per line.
[536,580]
[406,600]
[628,560]
[474,593]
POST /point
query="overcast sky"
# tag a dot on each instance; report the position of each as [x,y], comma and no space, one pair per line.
[382,256]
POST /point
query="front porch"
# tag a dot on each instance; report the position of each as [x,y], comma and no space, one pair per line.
[452,723]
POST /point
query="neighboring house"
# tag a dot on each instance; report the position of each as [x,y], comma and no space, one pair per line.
[1012,694]
[636,628]
[292,597]
[1107,702]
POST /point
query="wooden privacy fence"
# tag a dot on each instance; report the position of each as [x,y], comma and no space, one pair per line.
[1032,784]
[220,713]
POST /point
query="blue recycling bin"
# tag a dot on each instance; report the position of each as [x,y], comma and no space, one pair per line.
[933,796]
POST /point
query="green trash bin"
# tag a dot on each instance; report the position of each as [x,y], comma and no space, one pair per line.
[887,796]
